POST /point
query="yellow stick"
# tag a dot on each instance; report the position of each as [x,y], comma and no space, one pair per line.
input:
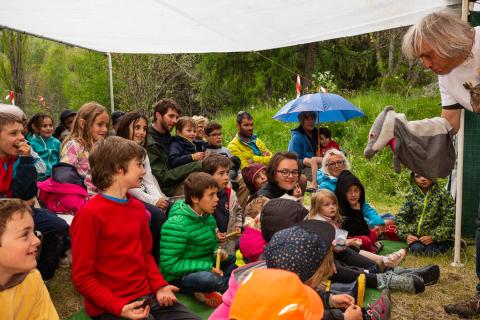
[217,263]
[232,234]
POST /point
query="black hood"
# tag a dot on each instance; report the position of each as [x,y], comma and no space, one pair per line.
[344,181]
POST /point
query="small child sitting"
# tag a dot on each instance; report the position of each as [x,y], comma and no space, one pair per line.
[252,242]
[326,142]
[113,268]
[184,149]
[351,197]
[427,218]
[23,294]
[228,213]
[188,245]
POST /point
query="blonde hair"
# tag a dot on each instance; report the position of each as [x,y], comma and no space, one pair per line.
[326,159]
[325,271]
[318,198]
[254,207]
[200,120]
[444,31]
[88,113]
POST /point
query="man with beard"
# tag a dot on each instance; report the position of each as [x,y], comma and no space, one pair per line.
[246,146]
[158,141]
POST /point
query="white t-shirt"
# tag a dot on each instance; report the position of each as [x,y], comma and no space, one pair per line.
[451,86]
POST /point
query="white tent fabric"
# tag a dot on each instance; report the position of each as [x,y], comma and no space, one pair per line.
[194,26]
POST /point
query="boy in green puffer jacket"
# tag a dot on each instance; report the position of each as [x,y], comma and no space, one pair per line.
[188,245]
[427,219]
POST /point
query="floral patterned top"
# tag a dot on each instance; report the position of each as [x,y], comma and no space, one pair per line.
[75,154]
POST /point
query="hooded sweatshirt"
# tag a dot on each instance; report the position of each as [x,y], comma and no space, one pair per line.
[302,144]
[353,219]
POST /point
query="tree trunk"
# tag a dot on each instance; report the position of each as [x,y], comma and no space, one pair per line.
[310,52]
[375,38]
[391,51]
[16,54]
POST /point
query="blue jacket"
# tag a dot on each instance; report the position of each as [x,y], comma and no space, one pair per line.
[48,150]
[301,144]
[325,181]
[180,151]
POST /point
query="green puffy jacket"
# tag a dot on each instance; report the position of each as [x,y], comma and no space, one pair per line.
[430,214]
[188,242]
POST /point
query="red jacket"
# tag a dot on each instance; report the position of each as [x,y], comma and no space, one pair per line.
[111,249]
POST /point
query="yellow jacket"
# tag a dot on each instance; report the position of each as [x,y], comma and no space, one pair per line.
[245,152]
[28,300]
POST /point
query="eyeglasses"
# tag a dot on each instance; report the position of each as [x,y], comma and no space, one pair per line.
[287,173]
[215,134]
[336,163]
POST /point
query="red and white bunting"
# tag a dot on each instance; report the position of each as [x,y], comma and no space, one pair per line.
[11,97]
[42,100]
[299,86]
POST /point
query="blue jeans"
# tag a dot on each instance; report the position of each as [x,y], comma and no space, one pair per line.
[55,240]
[207,281]
[176,312]
[433,249]
[156,222]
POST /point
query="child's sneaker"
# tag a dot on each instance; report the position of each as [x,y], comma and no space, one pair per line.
[407,282]
[211,299]
[430,274]
[382,308]
[465,309]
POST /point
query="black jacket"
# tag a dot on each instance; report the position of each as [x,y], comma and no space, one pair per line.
[180,151]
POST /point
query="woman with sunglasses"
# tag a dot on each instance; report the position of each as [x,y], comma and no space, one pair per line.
[283,174]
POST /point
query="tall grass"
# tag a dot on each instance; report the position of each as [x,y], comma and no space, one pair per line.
[383,185]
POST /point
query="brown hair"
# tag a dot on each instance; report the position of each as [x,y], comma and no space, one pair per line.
[325,271]
[88,112]
[214,161]
[184,122]
[36,122]
[111,155]
[123,129]
[212,126]
[8,208]
[164,105]
[8,118]
[275,162]
[255,206]
[195,185]
[318,198]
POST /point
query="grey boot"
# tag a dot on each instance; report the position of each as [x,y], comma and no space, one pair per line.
[407,282]
[430,274]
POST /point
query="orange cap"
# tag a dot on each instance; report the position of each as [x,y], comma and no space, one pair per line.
[268,294]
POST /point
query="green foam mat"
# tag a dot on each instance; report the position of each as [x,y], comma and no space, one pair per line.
[390,246]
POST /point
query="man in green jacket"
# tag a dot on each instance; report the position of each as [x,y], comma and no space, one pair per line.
[188,246]
[158,141]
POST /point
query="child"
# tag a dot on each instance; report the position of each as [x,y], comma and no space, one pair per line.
[188,246]
[255,177]
[40,129]
[183,148]
[23,294]
[133,126]
[18,177]
[427,218]
[228,213]
[326,142]
[112,266]
[351,196]
[66,124]
[324,207]
[201,123]
[90,126]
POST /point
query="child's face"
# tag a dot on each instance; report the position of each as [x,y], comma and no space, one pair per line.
[46,129]
[215,137]
[200,131]
[18,245]
[328,208]
[133,177]
[138,130]
[260,179]
[222,177]
[188,133]
[208,202]
[297,191]
[10,137]
[68,122]
[99,127]
[324,140]
[353,194]
[422,182]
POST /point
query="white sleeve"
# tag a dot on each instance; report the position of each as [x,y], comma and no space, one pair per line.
[153,192]
[447,99]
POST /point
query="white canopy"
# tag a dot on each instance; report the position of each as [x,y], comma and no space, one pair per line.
[189,26]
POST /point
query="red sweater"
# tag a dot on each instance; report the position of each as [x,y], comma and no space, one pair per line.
[111,249]
[331,145]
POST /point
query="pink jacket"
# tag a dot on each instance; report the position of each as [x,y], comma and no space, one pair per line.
[252,244]
[62,197]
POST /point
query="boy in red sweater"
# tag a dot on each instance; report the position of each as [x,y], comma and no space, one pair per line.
[113,268]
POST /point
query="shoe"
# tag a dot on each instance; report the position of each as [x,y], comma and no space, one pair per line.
[430,274]
[407,282]
[394,259]
[382,308]
[465,309]
[211,299]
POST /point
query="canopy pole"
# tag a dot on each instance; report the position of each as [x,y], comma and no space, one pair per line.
[459,193]
[110,77]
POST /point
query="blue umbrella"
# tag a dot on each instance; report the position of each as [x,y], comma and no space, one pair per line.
[328,106]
